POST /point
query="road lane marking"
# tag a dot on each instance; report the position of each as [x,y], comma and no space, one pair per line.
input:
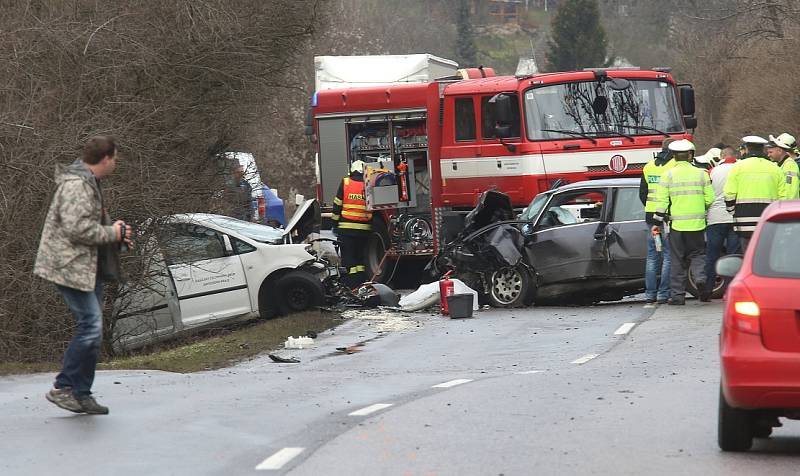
[528,372]
[279,459]
[585,359]
[370,409]
[624,328]
[452,383]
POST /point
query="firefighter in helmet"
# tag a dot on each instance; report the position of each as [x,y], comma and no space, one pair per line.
[353,224]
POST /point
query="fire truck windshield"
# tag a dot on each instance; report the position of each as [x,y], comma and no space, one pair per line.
[559,111]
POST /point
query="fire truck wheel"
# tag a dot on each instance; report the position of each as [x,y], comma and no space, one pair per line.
[510,287]
[376,247]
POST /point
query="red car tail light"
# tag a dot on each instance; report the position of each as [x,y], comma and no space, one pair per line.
[743,313]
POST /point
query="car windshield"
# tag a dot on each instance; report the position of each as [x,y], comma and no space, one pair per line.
[776,254]
[534,208]
[254,231]
[560,111]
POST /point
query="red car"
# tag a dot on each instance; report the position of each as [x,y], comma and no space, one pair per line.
[760,338]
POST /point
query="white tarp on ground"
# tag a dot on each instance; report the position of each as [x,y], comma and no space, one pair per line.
[336,72]
[427,295]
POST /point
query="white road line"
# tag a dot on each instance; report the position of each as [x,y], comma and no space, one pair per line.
[585,359]
[370,409]
[279,459]
[624,328]
[452,383]
[528,372]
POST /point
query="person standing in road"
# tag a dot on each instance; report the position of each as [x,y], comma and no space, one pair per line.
[685,193]
[719,222]
[243,205]
[753,183]
[353,224]
[779,151]
[656,291]
[73,255]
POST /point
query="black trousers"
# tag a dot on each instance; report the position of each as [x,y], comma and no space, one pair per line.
[353,248]
[687,249]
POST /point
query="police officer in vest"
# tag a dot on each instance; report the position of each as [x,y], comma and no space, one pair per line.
[684,195]
[779,150]
[353,224]
[753,183]
[655,290]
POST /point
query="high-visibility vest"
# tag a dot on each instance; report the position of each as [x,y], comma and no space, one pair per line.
[791,190]
[753,183]
[652,175]
[354,215]
[686,192]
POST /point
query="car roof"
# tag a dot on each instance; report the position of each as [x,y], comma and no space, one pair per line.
[610,182]
[782,207]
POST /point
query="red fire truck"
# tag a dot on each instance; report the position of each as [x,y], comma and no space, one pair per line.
[432,148]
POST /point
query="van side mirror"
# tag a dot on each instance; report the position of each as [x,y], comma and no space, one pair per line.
[690,122]
[728,266]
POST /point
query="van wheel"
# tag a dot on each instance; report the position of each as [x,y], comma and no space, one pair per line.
[735,427]
[720,284]
[510,287]
[298,291]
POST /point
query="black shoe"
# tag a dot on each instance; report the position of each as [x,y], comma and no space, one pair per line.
[90,406]
[676,301]
[705,295]
[662,301]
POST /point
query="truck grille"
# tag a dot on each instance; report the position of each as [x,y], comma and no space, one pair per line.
[605,168]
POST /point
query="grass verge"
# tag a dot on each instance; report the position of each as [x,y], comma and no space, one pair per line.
[212,349]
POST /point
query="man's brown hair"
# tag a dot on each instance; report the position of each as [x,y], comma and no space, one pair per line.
[97,148]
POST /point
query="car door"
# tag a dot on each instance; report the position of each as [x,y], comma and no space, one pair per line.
[568,240]
[146,308]
[209,278]
[627,234]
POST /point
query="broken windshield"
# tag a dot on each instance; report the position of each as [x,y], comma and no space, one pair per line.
[559,111]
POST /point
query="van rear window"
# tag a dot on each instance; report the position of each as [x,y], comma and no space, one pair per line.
[778,250]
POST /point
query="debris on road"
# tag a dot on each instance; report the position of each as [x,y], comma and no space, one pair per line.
[298,343]
[427,295]
[284,360]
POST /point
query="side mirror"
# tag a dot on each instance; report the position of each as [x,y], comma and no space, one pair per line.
[687,99]
[728,266]
[599,105]
[500,105]
[502,132]
[690,122]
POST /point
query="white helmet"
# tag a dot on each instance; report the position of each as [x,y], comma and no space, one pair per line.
[682,145]
[712,157]
[784,141]
[357,166]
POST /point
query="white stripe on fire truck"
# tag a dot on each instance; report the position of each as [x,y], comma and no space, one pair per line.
[535,164]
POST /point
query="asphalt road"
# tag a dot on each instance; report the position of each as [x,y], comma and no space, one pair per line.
[607,389]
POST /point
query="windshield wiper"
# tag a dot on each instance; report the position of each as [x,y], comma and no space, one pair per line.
[617,133]
[572,133]
[643,128]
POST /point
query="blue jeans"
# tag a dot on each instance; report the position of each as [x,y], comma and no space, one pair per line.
[80,359]
[719,236]
[656,289]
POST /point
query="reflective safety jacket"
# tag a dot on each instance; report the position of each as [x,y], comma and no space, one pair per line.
[791,190]
[753,183]
[685,192]
[350,206]
[652,174]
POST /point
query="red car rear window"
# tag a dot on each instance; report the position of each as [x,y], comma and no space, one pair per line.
[778,250]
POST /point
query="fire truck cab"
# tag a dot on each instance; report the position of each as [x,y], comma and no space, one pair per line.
[432,148]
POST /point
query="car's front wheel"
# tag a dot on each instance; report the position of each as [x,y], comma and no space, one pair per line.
[510,287]
[298,291]
[735,427]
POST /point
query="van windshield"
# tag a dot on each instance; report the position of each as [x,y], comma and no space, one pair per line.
[559,111]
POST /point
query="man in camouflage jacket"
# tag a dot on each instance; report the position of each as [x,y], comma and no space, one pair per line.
[76,228]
